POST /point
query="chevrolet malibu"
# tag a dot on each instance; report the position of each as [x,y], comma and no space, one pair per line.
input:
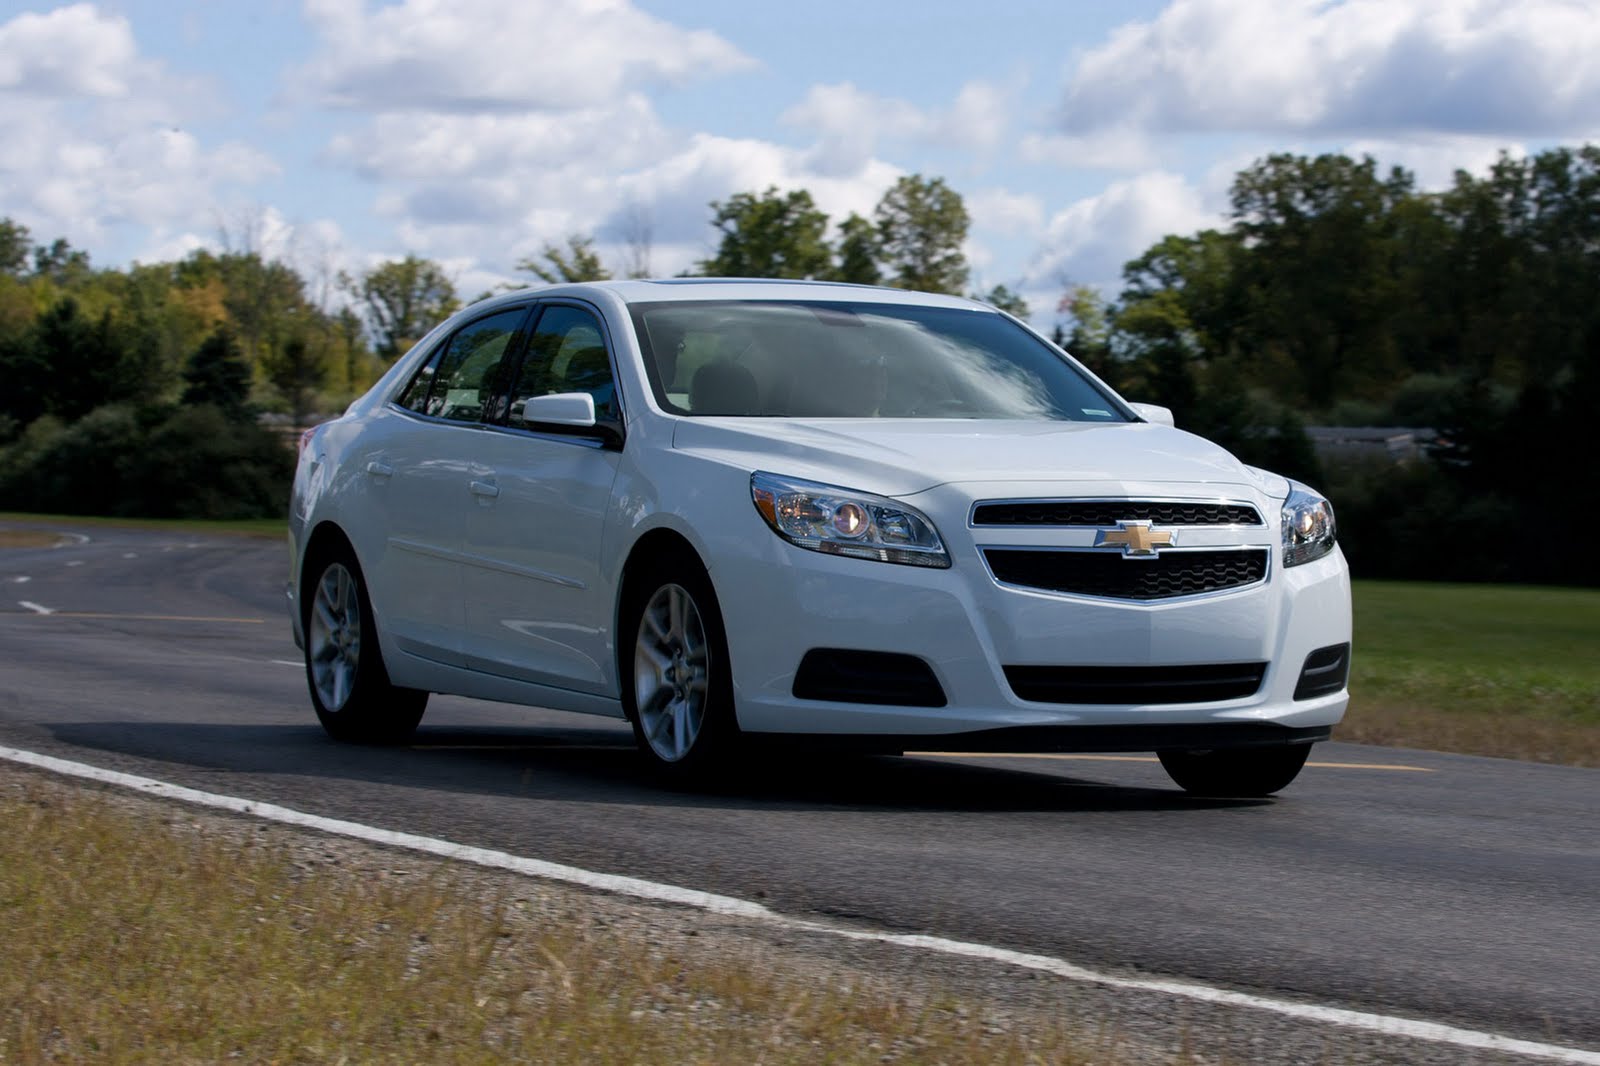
[730,510]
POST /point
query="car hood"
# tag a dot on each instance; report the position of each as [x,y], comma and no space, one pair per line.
[901,457]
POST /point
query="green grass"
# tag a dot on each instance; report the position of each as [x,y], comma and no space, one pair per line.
[1489,669]
[249,527]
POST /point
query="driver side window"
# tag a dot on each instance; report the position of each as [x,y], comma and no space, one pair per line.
[567,353]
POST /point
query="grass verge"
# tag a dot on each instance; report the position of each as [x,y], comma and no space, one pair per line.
[1479,669]
[250,527]
[147,939]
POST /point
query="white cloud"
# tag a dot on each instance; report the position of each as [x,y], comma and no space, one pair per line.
[1435,160]
[79,178]
[1358,66]
[1004,212]
[850,122]
[100,142]
[1089,241]
[71,51]
[1116,148]
[446,148]
[484,55]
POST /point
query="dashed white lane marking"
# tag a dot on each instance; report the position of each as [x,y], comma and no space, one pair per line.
[76,562]
[20,579]
[287,662]
[35,608]
[78,540]
[638,888]
[130,555]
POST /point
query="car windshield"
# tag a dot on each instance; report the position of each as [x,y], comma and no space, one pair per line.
[858,360]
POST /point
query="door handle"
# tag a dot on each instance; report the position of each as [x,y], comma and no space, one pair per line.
[379,469]
[485,488]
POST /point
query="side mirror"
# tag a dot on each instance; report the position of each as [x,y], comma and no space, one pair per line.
[1150,412]
[558,409]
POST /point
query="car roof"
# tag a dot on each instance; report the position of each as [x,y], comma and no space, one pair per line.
[660,290]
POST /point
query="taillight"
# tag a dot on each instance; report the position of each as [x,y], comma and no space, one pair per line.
[305,438]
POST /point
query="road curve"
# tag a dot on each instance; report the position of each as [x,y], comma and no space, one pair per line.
[1440,887]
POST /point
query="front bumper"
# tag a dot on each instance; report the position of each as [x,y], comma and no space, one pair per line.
[780,602]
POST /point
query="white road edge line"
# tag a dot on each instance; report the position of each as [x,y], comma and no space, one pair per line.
[35,608]
[286,662]
[638,888]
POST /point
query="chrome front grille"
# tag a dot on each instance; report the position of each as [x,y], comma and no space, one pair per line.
[1098,513]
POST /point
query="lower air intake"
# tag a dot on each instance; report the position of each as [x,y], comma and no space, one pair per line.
[879,677]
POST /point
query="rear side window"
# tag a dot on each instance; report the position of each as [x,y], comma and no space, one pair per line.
[467,370]
[567,353]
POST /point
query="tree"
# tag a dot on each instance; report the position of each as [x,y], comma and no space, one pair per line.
[858,252]
[403,299]
[297,370]
[1319,275]
[921,227]
[217,374]
[1085,331]
[15,244]
[638,239]
[580,262]
[60,262]
[770,236]
[1010,302]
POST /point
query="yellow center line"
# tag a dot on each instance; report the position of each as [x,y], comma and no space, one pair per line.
[142,617]
[1148,758]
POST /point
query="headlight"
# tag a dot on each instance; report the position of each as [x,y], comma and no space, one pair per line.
[1308,526]
[845,522]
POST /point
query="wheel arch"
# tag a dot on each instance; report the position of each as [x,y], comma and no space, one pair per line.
[325,540]
[662,542]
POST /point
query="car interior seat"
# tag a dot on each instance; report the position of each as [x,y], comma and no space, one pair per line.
[723,387]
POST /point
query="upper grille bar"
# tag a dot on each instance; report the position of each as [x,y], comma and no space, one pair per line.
[1098,513]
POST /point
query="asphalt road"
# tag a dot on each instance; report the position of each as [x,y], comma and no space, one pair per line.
[1441,887]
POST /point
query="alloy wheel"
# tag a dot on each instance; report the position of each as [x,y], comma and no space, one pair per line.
[334,637]
[671,672]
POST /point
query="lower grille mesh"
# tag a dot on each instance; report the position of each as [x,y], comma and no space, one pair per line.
[1205,683]
[1109,575]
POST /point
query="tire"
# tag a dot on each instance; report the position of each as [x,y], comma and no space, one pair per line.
[350,688]
[677,681]
[1243,772]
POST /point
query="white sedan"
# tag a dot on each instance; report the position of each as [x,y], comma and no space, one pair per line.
[730,510]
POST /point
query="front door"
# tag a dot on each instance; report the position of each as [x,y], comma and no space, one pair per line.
[417,475]
[538,606]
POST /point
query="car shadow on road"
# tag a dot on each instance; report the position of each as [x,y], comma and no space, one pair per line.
[601,766]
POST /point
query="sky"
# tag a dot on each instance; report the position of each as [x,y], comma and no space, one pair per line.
[335,134]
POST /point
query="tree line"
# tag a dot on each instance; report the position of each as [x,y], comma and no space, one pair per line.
[140,391]
[1336,292]
[1340,293]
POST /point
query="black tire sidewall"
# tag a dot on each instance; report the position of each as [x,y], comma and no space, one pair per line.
[375,711]
[719,730]
[1243,772]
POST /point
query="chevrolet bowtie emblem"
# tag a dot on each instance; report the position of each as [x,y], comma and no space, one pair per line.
[1136,539]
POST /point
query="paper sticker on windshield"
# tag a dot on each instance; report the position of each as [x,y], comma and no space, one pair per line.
[1095,412]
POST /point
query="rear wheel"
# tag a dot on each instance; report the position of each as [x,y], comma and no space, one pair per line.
[1237,772]
[350,689]
[677,682]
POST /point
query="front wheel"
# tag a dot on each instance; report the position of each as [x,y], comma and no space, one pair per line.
[1244,772]
[350,689]
[677,683]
